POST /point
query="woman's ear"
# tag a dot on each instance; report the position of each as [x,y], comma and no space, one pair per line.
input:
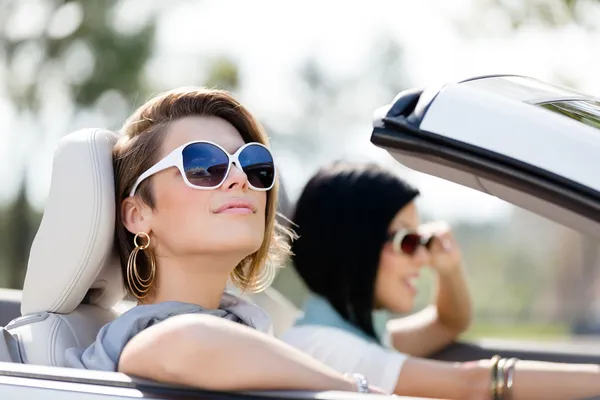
[136,215]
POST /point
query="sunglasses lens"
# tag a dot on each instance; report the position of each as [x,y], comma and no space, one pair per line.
[257,162]
[410,243]
[205,165]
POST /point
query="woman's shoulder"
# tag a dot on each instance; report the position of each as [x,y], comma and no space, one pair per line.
[103,354]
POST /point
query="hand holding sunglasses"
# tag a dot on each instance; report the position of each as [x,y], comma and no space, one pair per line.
[444,252]
[437,239]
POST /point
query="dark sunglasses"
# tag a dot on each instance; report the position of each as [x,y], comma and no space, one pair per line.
[408,242]
[205,165]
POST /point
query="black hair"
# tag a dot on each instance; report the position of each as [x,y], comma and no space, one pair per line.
[342,219]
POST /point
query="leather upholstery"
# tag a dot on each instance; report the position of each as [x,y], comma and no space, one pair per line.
[72,256]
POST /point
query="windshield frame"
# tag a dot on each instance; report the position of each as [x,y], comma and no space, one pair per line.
[522,88]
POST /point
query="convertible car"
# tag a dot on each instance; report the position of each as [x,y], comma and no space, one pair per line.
[525,141]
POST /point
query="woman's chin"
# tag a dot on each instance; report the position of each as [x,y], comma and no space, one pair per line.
[402,306]
[244,246]
[226,245]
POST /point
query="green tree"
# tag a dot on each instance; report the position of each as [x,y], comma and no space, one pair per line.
[82,44]
[550,13]
[223,73]
[77,49]
[508,17]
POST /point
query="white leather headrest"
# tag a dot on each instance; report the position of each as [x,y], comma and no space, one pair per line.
[73,250]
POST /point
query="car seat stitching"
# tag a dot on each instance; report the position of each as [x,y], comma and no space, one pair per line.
[93,234]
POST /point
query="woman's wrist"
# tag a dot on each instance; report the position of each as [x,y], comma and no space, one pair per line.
[359,383]
[450,271]
[453,301]
[348,385]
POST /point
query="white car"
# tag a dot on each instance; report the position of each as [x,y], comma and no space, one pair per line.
[532,144]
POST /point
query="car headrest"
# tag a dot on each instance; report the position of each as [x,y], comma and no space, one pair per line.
[72,256]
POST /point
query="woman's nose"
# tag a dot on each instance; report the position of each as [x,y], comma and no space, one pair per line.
[237,178]
[421,257]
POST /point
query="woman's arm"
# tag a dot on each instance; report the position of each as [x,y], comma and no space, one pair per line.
[212,353]
[431,329]
[532,380]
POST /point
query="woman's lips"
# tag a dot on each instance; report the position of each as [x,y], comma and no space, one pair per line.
[236,207]
[236,210]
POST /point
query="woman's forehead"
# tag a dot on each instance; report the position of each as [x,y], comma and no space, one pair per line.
[212,129]
[407,217]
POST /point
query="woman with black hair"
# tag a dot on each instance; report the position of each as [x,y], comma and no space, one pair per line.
[360,248]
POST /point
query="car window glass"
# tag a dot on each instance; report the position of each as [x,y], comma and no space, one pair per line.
[584,111]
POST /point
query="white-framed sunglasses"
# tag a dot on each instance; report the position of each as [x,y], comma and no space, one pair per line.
[205,165]
[408,241]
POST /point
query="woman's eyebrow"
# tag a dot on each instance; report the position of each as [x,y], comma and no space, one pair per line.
[408,226]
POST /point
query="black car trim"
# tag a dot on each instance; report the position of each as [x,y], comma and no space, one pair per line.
[490,165]
[408,105]
[419,111]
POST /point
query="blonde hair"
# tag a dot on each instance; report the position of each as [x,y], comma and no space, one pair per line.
[138,149]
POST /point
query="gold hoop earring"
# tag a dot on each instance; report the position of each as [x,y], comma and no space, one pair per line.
[262,280]
[140,287]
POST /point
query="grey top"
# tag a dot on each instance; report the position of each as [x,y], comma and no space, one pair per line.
[105,352]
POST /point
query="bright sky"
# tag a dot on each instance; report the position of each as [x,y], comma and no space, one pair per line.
[270,37]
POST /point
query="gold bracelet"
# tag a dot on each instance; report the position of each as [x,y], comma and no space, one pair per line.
[509,372]
[494,376]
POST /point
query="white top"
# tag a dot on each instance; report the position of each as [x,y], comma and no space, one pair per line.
[348,353]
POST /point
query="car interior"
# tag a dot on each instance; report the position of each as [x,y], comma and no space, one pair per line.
[73,284]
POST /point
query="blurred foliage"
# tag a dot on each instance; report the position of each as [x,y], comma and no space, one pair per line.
[78,45]
[91,54]
[512,16]
[525,330]
[224,74]
[18,222]
[549,13]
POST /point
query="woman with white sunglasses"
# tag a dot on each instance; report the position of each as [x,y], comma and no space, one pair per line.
[196,194]
[360,249]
